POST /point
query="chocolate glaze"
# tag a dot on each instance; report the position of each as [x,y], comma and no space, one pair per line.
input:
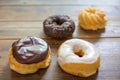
[30,50]
[59,26]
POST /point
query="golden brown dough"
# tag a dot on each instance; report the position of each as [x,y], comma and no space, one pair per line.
[78,57]
[28,68]
[92,19]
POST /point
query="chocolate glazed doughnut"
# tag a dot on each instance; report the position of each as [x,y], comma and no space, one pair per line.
[59,26]
[29,54]
[30,50]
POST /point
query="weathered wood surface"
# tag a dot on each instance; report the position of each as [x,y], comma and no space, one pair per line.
[20,18]
[59,2]
[20,29]
[109,70]
[39,13]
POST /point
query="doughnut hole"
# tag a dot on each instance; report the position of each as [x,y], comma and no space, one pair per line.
[78,51]
[60,20]
[57,23]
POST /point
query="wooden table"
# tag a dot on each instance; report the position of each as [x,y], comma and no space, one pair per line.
[20,18]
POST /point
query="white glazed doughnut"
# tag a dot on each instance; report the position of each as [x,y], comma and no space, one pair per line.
[78,57]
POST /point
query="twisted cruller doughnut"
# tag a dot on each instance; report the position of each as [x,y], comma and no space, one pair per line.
[78,57]
[92,19]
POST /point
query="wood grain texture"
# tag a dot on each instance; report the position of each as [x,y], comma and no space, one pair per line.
[20,18]
[40,13]
[109,69]
[58,2]
[16,30]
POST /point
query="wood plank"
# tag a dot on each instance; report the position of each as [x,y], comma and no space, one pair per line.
[59,2]
[15,30]
[38,24]
[40,13]
[109,69]
[20,18]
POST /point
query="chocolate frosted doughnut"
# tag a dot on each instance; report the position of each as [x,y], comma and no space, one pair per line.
[59,26]
[30,50]
[29,54]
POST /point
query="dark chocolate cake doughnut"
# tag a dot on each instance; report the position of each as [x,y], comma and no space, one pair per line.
[59,26]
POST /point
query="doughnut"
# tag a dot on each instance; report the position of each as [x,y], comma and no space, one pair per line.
[59,26]
[78,57]
[29,54]
[92,19]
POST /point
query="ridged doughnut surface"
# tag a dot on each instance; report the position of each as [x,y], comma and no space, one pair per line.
[92,19]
